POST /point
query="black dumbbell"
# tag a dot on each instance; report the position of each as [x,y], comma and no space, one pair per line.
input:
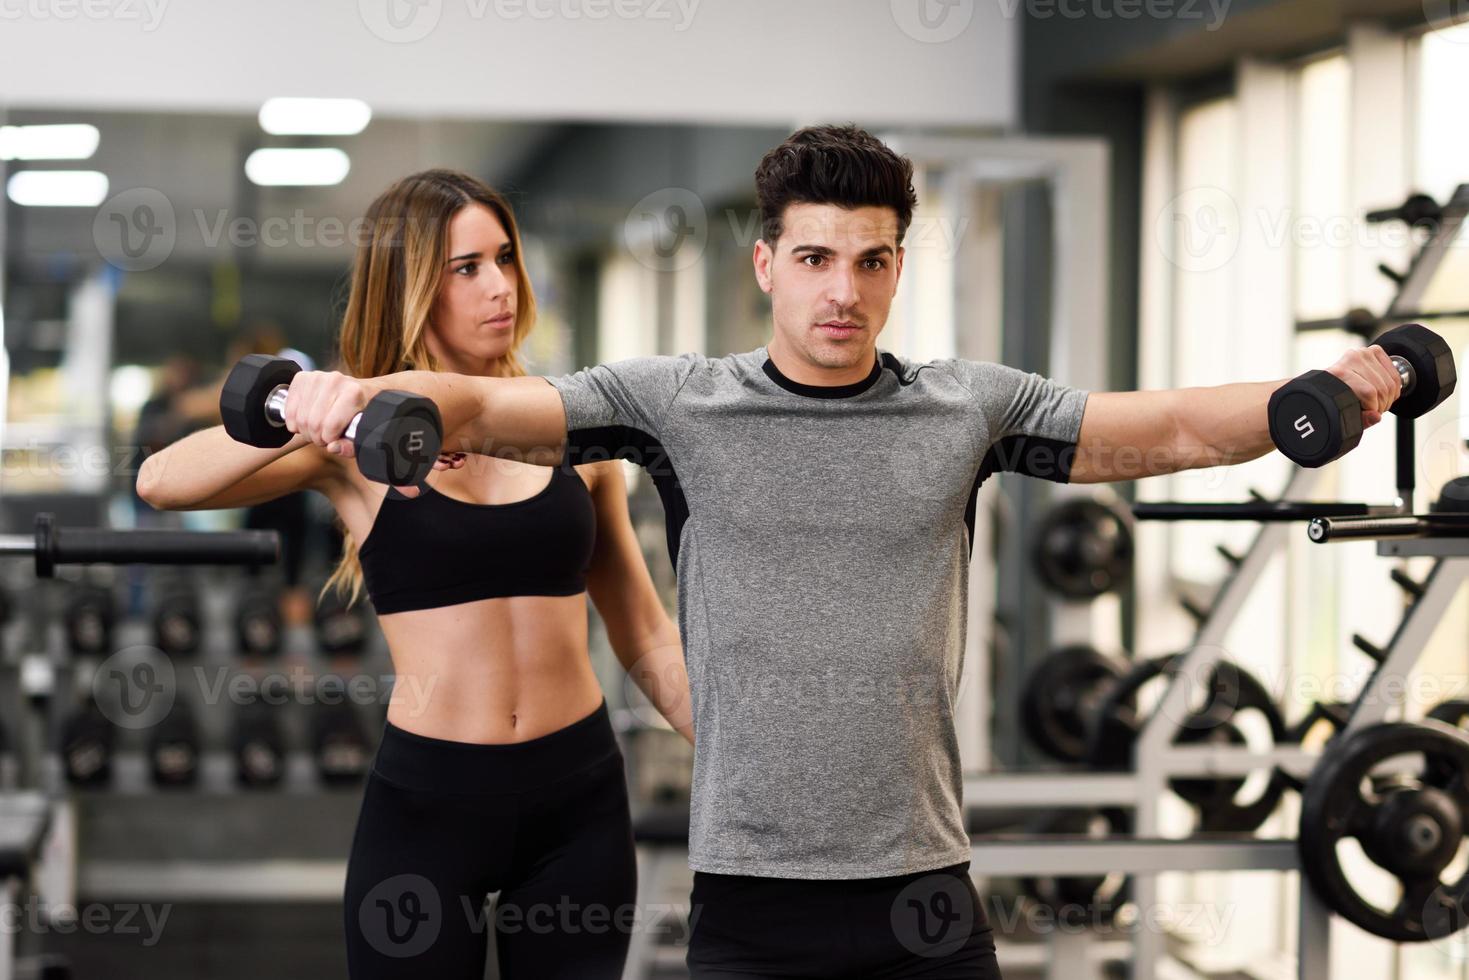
[87,742]
[397,437]
[44,966]
[258,627]
[1317,418]
[341,630]
[173,749]
[89,617]
[338,743]
[259,745]
[178,624]
[8,761]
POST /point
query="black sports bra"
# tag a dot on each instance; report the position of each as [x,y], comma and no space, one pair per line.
[435,550]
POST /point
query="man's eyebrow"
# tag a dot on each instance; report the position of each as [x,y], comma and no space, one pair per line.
[872,252]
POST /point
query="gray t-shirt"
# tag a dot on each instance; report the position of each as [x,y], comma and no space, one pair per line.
[821,537]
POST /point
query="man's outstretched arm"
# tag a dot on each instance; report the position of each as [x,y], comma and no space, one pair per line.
[605,409]
[519,418]
[1131,434]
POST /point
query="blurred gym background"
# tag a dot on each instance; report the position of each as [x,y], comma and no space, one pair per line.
[1118,194]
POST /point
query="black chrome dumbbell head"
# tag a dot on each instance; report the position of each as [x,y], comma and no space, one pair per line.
[251,385]
[396,437]
[1430,375]
[1317,418]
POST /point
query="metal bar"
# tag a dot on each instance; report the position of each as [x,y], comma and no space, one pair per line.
[1407,644]
[9,898]
[1421,547]
[166,881]
[1044,790]
[1273,510]
[1145,857]
[1227,760]
[1324,530]
[1407,444]
[1313,936]
[1430,257]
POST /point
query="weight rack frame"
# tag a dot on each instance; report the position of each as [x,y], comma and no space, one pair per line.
[1158,760]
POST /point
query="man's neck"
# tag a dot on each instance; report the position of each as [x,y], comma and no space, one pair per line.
[803,372]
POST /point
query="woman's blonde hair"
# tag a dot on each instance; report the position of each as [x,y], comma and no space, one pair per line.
[395,282]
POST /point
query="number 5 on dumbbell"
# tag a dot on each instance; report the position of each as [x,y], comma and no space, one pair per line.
[396,438]
[1317,418]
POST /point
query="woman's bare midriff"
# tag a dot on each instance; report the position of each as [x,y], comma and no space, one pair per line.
[494,670]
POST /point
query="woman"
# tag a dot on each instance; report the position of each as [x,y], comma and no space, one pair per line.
[497,769]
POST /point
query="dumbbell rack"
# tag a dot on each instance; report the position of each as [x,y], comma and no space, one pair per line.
[38,826]
[1158,760]
[265,852]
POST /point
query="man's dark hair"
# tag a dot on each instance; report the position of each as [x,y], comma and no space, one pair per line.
[841,165]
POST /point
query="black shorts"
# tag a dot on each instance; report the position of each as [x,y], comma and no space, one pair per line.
[926,924]
[443,824]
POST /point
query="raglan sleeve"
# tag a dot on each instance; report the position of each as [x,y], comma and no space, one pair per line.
[1032,423]
[614,410]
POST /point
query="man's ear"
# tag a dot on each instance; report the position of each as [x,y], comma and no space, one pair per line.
[763,257]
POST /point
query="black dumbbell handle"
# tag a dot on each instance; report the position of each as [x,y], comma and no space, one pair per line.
[54,546]
[275,411]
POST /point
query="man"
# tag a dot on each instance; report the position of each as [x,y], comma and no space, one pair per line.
[820,505]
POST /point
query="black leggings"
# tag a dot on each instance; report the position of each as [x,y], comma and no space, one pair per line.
[928,924]
[544,822]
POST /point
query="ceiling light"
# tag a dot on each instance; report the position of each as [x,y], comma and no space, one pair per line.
[57,188]
[314,117]
[283,167]
[61,142]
